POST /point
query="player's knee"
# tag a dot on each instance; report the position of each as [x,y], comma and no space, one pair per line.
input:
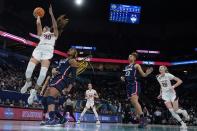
[50,100]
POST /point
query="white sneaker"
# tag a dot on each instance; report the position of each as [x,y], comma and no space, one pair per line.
[25,87]
[32,96]
[78,122]
[183,126]
[186,116]
[98,122]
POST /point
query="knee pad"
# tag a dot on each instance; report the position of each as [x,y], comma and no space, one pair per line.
[44,103]
[50,100]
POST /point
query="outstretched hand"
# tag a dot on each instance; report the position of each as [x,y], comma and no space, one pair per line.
[149,70]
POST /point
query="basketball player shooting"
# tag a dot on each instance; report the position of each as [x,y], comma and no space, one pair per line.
[41,54]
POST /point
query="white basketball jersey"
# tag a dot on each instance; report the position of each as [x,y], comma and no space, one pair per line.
[47,38]
[90,94]
[165,81]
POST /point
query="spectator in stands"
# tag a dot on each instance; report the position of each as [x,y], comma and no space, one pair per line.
[157,115]
[7,102]
[12,104]
[1,102]
[119,107]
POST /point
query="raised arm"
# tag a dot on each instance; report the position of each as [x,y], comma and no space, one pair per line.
[142,73]
[39,26]
[54,23]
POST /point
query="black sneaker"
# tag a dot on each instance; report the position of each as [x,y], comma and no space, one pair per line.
[143,122]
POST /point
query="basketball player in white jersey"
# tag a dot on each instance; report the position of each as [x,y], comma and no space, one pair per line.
[168,94]
[41,54]
[90,95]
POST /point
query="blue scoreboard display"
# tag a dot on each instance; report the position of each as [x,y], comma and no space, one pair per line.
[125,13]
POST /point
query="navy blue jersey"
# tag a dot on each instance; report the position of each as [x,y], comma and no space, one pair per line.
[66,70]
[130,73]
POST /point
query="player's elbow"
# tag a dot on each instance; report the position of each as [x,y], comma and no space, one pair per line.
[180,81]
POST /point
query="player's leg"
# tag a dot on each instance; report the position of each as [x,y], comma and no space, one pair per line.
[71,110]
[138,108]
[28,74]
[53,93]
[43,72]
[174,114]
[83,113]
[96,114]
[180,111]
[134,91]
[136,104]
[44,104]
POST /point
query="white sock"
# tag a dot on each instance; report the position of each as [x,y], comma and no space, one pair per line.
[183,112]
[42,75]
[175,115]
[180,111]
[30,68]
[82,114]
[95,113]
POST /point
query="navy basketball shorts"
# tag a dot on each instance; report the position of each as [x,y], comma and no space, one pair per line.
[133,89]
[59,83]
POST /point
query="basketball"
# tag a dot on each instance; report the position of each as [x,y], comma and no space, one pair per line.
[39,11]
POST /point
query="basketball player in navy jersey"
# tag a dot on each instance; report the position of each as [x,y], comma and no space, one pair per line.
[65,74]
[133,85]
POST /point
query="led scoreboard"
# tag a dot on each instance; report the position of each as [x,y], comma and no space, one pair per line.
[125,13]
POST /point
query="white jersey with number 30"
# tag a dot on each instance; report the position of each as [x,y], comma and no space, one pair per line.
[165,81]
[45,48]
[48,39]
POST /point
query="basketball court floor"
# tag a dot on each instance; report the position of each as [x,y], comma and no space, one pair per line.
[34,126]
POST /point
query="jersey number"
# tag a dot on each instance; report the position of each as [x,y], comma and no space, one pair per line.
[127,73]
[164,84]
[48,37]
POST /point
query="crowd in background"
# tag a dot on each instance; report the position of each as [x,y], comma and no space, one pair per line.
[112,96]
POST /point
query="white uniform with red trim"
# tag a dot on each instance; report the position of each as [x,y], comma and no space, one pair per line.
[168,93]
[90,100]
[45,48]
